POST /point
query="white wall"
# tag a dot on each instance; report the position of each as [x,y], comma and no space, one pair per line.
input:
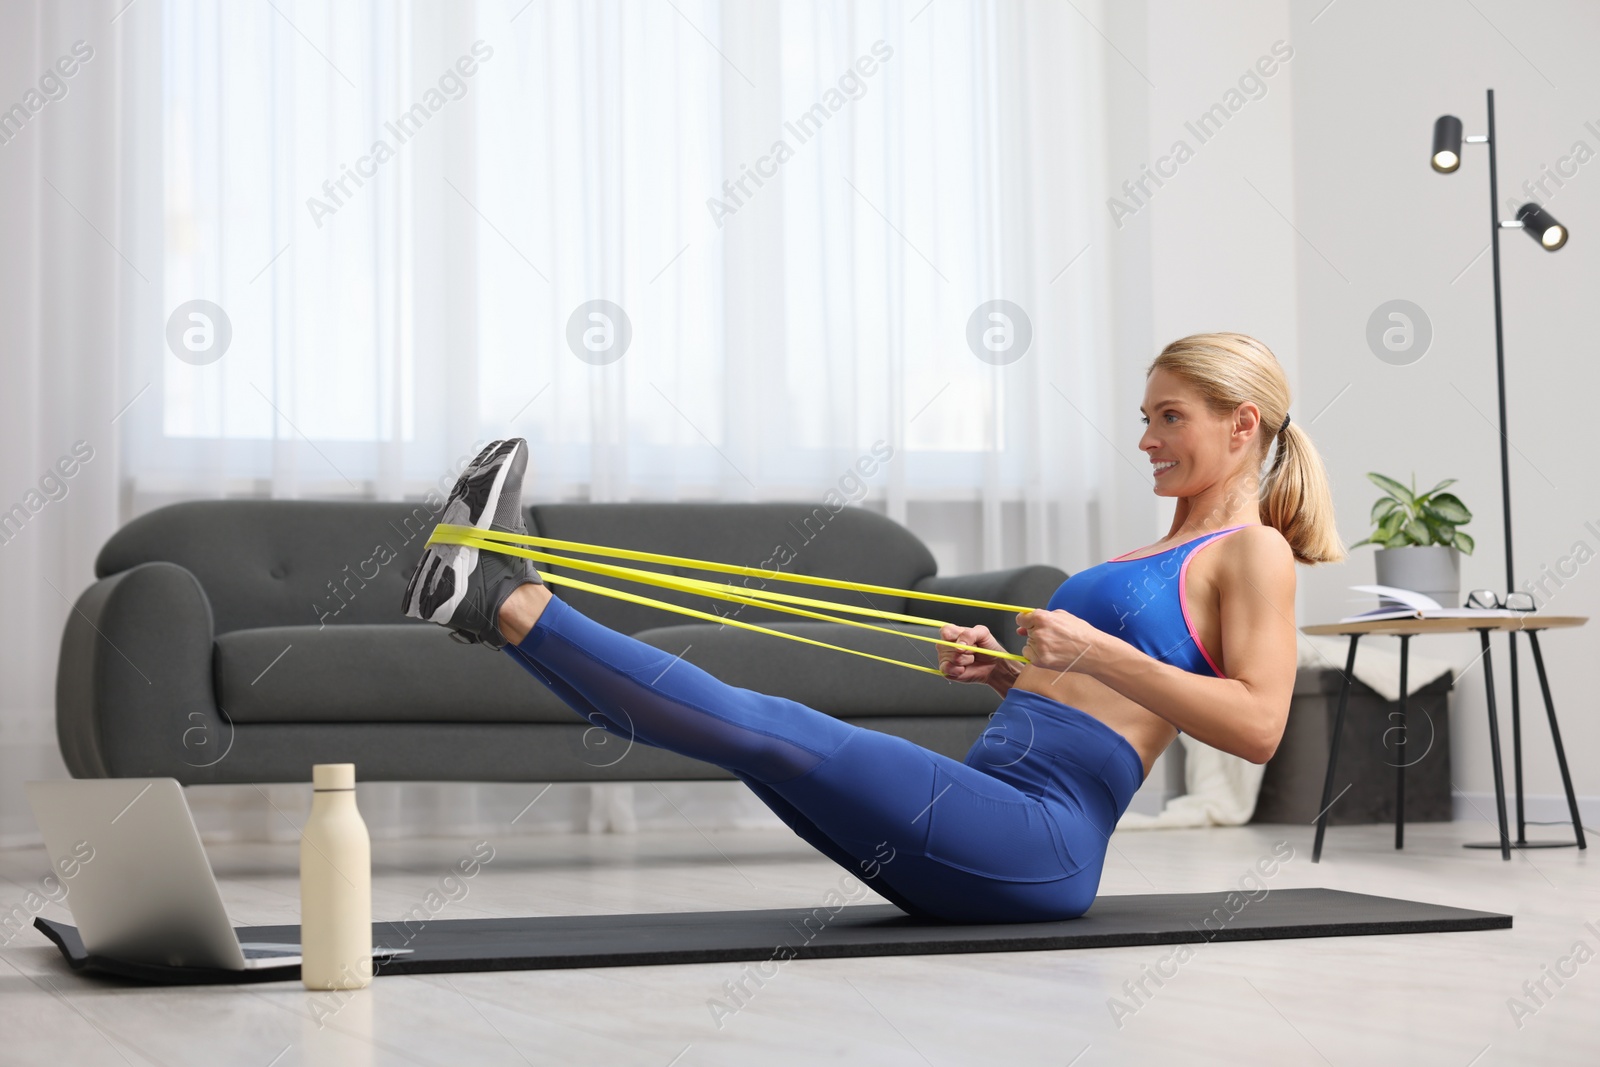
[1198,251]
[1370,78]
[1313,205]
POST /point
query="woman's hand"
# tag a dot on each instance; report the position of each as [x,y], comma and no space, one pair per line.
[1057,640]
[959,665]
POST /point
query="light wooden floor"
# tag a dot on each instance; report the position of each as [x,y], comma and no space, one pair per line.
[1405,999]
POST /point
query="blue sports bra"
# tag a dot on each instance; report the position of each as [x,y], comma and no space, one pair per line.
[1142,601]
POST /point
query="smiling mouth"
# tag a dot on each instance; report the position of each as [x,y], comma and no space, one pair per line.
[1159,471]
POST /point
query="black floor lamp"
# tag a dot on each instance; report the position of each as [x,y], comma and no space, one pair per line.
[1551,235]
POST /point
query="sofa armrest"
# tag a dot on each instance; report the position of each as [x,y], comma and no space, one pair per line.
[134,690]
[1031,585]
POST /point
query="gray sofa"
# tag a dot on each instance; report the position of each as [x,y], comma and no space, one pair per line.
[245,640]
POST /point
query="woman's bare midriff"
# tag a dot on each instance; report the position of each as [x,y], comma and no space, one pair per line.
[1147,732]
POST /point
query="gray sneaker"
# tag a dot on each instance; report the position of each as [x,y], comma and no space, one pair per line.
[461,587]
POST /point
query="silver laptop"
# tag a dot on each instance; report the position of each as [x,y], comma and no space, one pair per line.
[138,883]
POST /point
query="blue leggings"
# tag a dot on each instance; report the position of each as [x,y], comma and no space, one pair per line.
[1017,832]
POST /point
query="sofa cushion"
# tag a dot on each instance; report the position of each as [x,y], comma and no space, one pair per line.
[385,673]
[838,683]
[406,673]
[285,562]
[852,543]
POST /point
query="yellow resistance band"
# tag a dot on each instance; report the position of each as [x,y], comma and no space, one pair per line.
[507,543]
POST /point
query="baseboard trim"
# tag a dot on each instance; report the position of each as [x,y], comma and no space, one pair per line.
[1537,807]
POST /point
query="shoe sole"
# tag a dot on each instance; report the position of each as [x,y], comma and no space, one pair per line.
[440,581]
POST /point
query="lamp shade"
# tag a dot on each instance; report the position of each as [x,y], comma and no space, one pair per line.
[1538,224]
[1446,144]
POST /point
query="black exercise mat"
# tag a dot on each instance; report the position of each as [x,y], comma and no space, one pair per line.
[554,941]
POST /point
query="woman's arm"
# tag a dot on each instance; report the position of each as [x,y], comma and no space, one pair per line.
[962,666]
[1005,675]
[1244,713]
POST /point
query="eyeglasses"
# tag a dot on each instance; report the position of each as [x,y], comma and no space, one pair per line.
[1488,598]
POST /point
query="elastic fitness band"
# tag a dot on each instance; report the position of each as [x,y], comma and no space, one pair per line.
[515,545]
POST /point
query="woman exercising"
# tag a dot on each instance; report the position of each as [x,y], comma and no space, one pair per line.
[1124,656]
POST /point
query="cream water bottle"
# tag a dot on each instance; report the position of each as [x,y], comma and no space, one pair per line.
[335,884]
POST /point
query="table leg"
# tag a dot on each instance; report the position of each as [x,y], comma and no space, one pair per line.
[1400,767]
[1333,750]
[1516,736]
[1494,748]
[1555,735]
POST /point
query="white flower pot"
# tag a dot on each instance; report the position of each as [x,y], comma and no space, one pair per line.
[1434,570]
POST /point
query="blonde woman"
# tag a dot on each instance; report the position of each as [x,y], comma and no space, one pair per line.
[1125,655]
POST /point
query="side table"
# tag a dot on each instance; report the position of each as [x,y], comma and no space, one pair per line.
[1405,629]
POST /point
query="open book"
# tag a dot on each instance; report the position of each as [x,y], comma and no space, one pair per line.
[1415,605]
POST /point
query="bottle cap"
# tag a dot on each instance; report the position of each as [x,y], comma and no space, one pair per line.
[333,776]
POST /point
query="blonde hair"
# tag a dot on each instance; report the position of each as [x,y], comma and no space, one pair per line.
[1229,369]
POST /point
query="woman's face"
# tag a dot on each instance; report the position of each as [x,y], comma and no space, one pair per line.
[1187,445]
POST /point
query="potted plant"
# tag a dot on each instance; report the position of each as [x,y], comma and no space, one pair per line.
[1420,537]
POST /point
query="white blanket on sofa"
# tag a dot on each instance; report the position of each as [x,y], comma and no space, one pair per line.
[1221,789]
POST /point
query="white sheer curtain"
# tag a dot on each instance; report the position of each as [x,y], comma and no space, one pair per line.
[63,276]
[404,212]
[615,151]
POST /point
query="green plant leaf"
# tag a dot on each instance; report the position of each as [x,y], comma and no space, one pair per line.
[1444,533]
[1450,508]
[1391,524]
[1418,531]
[1381,509]
[1393,488]
[1464,542]
[1441,485]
